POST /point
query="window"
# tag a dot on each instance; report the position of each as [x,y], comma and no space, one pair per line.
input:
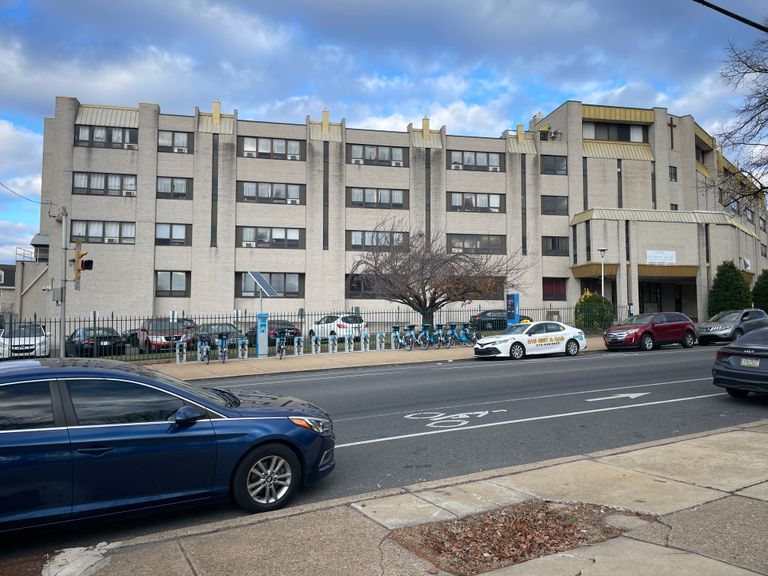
[554,205]
[106,137]
[374,239]
[173,234]
[700,155]
[286,284]
[750,215]
[554,245]
[377,198]
[271,192]
[25,406]
[274,148]
[763,249]
[174,188]
[360,286]
[673,173]
[103,232]
[554,165]
[734,205]
[673,206]
[476,202]
[99,402]
[170,283]
[554,288]
[614,132]
[477,243]
[574,238]
[104,184]
[178,142]
[376,155]
[2,276]
[480,161]
[266,237]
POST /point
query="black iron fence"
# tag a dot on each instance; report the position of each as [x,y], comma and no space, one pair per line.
[138,338]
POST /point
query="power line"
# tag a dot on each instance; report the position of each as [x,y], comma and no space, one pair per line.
[733,15]
[24,197]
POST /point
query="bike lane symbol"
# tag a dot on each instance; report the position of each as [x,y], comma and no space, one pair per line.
[443,420]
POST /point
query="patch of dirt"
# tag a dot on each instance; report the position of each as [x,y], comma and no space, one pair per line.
[509,535]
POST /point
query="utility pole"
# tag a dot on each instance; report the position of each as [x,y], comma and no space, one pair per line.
[62,219]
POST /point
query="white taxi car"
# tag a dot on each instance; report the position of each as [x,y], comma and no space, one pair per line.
[520,340]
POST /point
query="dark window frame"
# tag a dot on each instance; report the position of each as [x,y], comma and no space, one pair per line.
[89,190]
[272,155]
[269,277]
[86,239]
[272,242]
[129,137]
[378,204]
[472,206]
[555,246]
[170,241]
[552,205]
[461,162]
[672,173]
[551,164]
[171,293]
[173,149]
[271,199]
[554,289]
[366,235]
[477,243]
[173,195]
[379,157]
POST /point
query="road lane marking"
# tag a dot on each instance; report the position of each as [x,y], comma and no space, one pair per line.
[523,420]
[524,398]
[631,395]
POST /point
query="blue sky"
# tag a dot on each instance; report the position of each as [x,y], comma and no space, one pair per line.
[475,66]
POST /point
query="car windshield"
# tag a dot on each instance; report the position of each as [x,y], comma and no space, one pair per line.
[200,392]
[165,325]
[23,331]
[516,328]
[639,319]
[217,328]
[728,316]
[91,332]
[352,319]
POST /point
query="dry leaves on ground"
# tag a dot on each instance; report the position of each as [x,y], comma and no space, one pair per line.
[507,536]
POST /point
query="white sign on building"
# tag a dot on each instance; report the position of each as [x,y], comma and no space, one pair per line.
[660,257]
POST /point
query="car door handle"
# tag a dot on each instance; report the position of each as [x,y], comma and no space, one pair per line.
[95,450]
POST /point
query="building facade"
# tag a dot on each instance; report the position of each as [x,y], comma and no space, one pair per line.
[176,210]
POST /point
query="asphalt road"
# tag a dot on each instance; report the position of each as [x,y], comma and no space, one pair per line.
[400,425]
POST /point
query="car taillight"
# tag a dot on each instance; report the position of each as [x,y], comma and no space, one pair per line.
[723,354]
[88,342]
[341,325]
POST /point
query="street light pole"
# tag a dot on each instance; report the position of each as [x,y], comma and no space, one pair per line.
[602,270]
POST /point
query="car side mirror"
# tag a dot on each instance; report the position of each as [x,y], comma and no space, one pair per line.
[187,415]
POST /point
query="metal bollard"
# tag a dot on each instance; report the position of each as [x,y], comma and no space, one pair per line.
[181,352]
[333,344]
[349,343]
[298,346]
[380,341]
[242,348]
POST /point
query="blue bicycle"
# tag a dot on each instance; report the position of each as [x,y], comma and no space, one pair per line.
[280,343]
[428,338]
[401,341]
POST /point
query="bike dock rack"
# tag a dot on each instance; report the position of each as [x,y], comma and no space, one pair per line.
[181,352]
[380,342]
[349,343]
[202,348]
[333,343]
[242,348]
[298,345]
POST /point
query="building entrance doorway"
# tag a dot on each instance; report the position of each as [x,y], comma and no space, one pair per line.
[650,297]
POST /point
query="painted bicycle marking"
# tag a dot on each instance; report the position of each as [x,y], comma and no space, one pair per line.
[443,420]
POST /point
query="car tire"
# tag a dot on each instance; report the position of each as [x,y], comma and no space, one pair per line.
[646,343]
[737,393]
[266,479]
[517,351]
[738,333]
[688,340]
[571,348]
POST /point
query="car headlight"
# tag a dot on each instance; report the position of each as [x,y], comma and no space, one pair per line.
[156,338]
[322,426]
[503,341]
[633,331]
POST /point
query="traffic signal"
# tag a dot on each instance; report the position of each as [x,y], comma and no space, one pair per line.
[80,262]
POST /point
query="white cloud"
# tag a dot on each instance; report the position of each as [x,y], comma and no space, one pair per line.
[13,235]
[21,150]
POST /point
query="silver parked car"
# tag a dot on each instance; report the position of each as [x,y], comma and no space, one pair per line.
[731,324]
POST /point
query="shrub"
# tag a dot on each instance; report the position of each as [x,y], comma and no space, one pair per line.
[729,290]
[760,291]
[593,313]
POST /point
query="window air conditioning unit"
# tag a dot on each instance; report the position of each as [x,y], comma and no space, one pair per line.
[180,149]
[249,244]
[293,156]
[250,154]
[129,146]
[494,168]
[246,294]
[397,163]
[129,192]
[110,240]
[357,160]
[457,167]
[293,200]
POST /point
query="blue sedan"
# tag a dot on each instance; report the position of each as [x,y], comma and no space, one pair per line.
[87,438]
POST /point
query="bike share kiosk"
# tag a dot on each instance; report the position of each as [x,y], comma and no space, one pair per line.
[262,337]
[513,308]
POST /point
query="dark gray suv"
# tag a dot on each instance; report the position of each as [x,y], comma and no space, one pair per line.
[731,324]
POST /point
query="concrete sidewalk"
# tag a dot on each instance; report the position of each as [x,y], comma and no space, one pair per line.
[709,493]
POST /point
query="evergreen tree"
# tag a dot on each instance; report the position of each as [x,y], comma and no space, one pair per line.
[729,290]
[593,313]
[760,291]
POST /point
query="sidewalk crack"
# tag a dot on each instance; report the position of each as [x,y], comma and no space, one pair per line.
[186,558]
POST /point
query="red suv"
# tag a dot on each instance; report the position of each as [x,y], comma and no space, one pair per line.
[163,333]
[649,331]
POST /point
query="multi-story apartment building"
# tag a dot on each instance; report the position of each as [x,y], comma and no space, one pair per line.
[176,210]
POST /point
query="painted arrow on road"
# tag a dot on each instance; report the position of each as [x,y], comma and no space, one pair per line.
[631,396]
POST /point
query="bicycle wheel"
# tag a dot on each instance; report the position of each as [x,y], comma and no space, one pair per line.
[280,351]
[423,341]
[408,343]
[396,342]
[450,341]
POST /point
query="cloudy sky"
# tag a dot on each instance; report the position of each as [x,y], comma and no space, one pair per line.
[477,66]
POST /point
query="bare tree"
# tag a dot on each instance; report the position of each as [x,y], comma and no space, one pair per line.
[747,137]
[420,271]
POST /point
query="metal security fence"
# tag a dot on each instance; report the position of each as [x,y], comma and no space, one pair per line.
[155,339]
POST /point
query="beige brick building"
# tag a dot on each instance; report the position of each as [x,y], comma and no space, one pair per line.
[175,210]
